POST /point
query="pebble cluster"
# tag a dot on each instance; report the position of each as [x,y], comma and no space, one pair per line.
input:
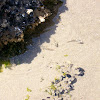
[16,15]
[61,87]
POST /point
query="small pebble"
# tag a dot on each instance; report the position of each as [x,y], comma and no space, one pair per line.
[56,44]
[48,97]
[62,66]
[64,77]
[74,80]
[71,87]
[66,91]
[81,42]
[62,91]
[52,82]
[55,94]
[57,81]
[66,82]
[80,71]
[29,11]
[68,75]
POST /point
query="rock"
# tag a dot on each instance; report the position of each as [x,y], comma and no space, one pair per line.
[73,80]
[68,75]
[66,91]
[70,87]
[55,94]
[26,15]
[48,97]
[52,82]
[28,11]
[66,82]
[56,44]
[16,15]
[57,81]
[62,66]
[62,91]
[79,71]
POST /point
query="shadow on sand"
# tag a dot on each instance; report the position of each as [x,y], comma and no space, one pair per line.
[34,48]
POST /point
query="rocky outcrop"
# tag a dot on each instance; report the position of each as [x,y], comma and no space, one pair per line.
[19,22]
[16,15]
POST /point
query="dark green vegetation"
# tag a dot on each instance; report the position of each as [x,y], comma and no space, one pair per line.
[4,64]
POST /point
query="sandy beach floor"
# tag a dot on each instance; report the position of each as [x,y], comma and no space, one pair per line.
[76,33]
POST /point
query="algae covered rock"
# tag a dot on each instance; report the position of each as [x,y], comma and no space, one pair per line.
[16,15]
[18,19]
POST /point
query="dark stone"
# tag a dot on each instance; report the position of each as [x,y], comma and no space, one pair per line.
[62,91]
[71,87]
[52,82]
[74,81]
[55,94]
[57,81]
[81,70]
[66,82]
[68,75]
[48,97]
[66,91]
